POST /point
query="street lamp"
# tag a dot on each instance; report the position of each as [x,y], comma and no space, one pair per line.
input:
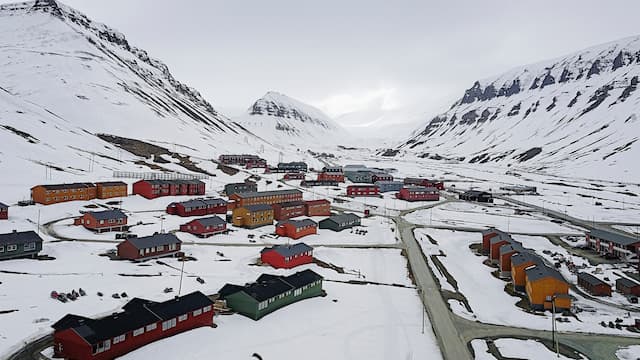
[554,337]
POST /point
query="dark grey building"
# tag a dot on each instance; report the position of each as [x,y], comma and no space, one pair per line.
[477,196]
[19,244]
[240,187]
[340,222]
[293,166]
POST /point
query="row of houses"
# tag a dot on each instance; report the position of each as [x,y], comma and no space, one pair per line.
[544,286]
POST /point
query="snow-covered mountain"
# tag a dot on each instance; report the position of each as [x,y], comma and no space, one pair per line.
[575,115]
[66,80]
[283,120]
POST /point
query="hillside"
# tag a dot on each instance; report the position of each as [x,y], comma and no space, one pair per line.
[576,115]
[66,80]
[283,120]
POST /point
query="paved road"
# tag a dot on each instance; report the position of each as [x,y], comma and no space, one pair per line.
[31,351]
[451,344]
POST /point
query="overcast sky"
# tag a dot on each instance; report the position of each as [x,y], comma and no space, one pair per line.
[345,56]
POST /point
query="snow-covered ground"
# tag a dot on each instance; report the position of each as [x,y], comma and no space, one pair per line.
[470,215]
[516,349]
[629,353]
[484,291]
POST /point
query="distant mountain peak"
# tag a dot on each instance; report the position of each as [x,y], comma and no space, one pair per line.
[279,105]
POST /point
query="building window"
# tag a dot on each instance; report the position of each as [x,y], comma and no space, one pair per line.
[297,292]
[152,326]
[197,312]
[12,248]
[30,246]
[141,252]
[206,308]
[137,332]
[183,317]
[118,339]
[166,325]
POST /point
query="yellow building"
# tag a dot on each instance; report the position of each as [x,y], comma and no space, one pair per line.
[253,216]
[545,285]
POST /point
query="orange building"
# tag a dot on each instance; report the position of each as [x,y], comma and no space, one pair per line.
[296,229]
[519,262]
[111,189]
[57,193]
[253,216]
[265,197]
[546,285]
[494,246]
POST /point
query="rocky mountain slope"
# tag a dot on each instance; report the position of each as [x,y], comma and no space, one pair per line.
[283,120]
[575,115]
[66,80]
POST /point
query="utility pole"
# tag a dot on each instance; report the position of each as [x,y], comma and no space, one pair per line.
[181,274]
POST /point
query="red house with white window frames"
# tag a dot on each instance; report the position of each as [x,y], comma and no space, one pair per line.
[424,182]
[331,176]
[288,210]
[287,256]
[418,193]
[149,247]
[296,229]
[141,322]
[4,211]
[363,190]
[198,207]
[320,207]
[152,189]
[381,176]
[205,227]
[103,221]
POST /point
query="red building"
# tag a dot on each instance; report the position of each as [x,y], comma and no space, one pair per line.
[418,193]
[205,227]
[296,229]
[152,189]
[494,246]
[318,207]
[294,176]
[593,285]
[381,176]
[331,176]
[198,207]
[4,211]
[287,256]
[288,210]
[141,322]
[506,252]
[627,287]
[486,237]
[424,182]
[363,190]
[103,221]
[149,247]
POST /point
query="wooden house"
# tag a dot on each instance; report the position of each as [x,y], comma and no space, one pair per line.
[198,207]
[494,246]
[331,174]
[363,190]
[388,186]
[205,227]
[265,197]
[519,263]
[247,186]
[593,285]
[4,211]
[288,210]
[360,176]
[294,166]
[287,256]
[627,287]
[619,245]
[111,189]
[487,234]
[296,229]
[152,189]
[545,285]
[271,292]
[506,252]
[312,183]
[340,222]
[477,196]
[253,216]
[380,176]
[246,160]
[293,176]
[103,221]
[149,247]
[320,207]
[141,322]
[57,193]
[418,193]
[424,182]
[19,244]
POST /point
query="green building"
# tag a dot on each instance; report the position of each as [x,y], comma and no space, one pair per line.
[271,292]
[19,244]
